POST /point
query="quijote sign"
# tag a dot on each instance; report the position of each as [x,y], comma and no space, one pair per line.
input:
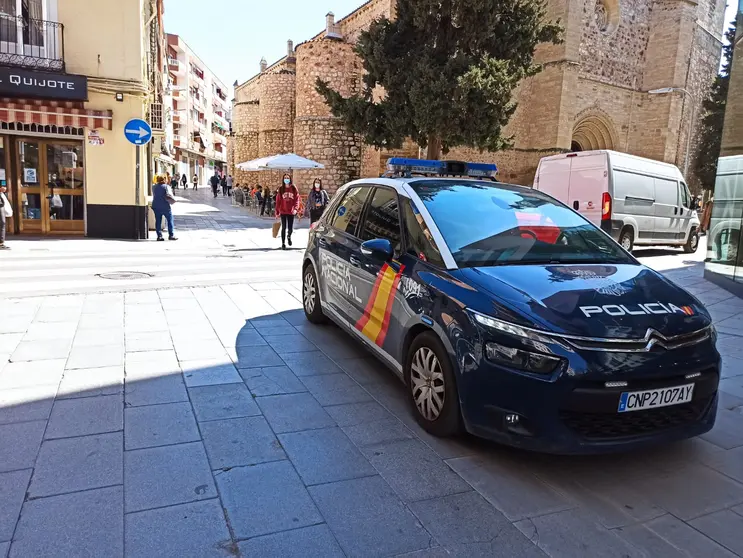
[42,85]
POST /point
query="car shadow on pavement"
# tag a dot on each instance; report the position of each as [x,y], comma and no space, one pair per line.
[237,435]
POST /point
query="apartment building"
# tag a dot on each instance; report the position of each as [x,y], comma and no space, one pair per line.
[197,113]
[72,74]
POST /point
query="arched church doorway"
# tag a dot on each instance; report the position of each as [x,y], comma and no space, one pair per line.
[593,132]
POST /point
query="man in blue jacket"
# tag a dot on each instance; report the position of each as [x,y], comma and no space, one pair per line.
[162,199]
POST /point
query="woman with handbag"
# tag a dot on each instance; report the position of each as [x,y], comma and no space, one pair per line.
[5,211]
[287,205]
[162,199]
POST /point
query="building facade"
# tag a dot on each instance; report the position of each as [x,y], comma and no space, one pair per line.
[197,114]
[599,89]
[66,93]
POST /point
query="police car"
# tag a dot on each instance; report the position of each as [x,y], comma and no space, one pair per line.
[507,314]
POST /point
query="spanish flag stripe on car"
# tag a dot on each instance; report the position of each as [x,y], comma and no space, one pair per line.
[376,319]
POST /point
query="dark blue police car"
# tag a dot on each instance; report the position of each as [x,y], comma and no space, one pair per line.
[507,314]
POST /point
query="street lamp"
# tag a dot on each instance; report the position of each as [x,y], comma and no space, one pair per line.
[665,91]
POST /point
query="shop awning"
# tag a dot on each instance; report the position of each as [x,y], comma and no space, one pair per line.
[47,115]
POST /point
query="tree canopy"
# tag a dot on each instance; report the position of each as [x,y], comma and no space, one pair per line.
[710,127]
[448,69]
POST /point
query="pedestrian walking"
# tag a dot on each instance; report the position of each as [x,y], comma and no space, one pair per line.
[174,182]
[5,211]
[162,199]
[223,184]
[266,199]
[287,205]
[229,185]
[214,181]
[184,181]
[317,201]
[195,181]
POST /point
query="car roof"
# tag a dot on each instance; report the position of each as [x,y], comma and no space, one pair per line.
[401,184]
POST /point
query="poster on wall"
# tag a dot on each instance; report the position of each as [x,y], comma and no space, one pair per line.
[94,138]
[29,176]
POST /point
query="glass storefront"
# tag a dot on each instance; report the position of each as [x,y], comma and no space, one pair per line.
[723,217]
[47,184]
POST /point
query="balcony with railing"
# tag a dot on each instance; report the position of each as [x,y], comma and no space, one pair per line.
[31,43]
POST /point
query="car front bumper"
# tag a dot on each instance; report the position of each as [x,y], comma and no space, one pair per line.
[579,415]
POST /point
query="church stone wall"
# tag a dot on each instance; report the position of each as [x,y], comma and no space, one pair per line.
[615,40]
[318,135]
[613,53]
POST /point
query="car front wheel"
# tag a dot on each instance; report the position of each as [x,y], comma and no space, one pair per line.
[432,388]
[311,296]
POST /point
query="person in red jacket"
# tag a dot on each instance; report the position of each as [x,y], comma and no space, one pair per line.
[287,205]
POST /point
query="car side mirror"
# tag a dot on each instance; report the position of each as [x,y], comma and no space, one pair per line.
[378,249]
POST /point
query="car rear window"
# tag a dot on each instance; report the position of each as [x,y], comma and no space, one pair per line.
[487,224]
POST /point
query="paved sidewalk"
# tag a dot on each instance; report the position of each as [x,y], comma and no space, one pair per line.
[209,419]
[216,422]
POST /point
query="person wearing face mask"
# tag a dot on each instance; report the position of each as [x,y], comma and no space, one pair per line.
[287,205]
[317,201]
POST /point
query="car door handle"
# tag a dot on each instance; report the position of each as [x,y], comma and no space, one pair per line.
[355,261]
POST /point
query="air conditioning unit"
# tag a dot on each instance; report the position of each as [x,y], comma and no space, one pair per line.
[156,116]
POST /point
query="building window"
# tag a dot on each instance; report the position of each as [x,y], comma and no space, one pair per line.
[26,15]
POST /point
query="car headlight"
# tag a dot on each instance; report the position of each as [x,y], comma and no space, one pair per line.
[520,359]
[511,329]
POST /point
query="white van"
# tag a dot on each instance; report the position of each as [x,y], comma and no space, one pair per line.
[635,200]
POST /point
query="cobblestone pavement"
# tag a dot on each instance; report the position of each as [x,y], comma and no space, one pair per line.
[214,421]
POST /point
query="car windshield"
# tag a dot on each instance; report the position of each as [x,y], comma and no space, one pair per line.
[487,224]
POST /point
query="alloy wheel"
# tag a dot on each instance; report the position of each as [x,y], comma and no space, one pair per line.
[310,290]
[626,242]
[427,383]
[694,242]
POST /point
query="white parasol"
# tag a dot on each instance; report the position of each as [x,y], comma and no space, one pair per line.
[287,161]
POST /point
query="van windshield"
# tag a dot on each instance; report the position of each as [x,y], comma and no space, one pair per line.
[486,224]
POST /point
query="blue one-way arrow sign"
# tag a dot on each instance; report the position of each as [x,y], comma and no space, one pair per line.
[138,132]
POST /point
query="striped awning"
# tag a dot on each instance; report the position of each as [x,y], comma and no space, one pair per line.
[54,113]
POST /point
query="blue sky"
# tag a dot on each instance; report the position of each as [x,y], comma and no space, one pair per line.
[231,36]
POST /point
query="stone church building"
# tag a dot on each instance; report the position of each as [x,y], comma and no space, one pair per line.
[593,91]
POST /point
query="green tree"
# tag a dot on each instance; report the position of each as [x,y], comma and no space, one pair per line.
[710,126]
[448,69]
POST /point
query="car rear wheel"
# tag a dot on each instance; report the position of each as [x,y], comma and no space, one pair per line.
[626,240]
[432,388]
[693,243]
[311,297]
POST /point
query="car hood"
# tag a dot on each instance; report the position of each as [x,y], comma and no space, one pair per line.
[607,301]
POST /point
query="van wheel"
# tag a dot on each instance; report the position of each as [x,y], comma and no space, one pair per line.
[311,297]
[432,387]
[693,243]
[627,240]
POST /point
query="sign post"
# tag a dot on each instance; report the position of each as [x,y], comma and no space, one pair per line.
[139,133]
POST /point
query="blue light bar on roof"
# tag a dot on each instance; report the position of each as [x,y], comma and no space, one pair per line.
[400,165]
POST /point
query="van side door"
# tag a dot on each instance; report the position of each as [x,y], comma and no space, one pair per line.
[667,216]
[634,197]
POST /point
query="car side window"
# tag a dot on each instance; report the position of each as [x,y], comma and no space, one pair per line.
[383,218]
[348,211]
[418,238]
